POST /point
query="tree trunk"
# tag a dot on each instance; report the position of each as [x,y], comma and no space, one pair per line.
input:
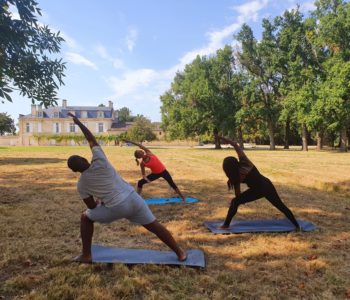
[343,140]
[271,135]
[304,137]
[319,139]
[240,138]
[286,134]
[217,143]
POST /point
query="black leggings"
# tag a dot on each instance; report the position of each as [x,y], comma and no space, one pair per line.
[262,188]
[151,177]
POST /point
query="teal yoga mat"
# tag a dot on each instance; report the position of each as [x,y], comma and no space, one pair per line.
[169,200]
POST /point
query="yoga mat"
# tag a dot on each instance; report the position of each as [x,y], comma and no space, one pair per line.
[169,200]
[105,254]
[241,226]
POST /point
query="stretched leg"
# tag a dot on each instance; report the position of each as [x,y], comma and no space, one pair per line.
[276,201]
[165,236]
[247,196]
[166,175]
[86,231]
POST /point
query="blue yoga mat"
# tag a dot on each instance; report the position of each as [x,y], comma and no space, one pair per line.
[169,200]
[242,226]
[104,254]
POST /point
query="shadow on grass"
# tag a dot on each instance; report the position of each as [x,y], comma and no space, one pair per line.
[29,160]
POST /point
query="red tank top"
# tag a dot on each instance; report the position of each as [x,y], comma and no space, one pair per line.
[154,164]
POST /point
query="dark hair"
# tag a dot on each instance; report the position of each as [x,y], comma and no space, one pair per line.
[137,157]
[230,166]
[77,163]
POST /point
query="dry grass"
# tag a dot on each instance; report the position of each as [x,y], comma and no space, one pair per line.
[40,211]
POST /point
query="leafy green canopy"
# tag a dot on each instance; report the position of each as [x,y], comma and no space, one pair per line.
[7,124]
[26,54]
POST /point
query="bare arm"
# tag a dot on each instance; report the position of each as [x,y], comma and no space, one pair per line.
[140,146]
[237,188]
[238,149]
[143,172]
[87,133]
[90,202]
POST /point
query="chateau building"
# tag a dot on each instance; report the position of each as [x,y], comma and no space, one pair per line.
[101,120]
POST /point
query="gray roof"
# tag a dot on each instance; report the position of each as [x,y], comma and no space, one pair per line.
[62,112]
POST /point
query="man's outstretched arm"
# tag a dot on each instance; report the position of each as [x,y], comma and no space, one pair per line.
[87,133]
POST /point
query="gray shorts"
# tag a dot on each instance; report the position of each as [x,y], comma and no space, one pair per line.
[133,208]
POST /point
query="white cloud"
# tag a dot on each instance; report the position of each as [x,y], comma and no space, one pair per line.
[307,6]
[71,43]
[103,53]
[131,38]
[131,81]
[139,88]
[217,39]
[78,59]
[250,9]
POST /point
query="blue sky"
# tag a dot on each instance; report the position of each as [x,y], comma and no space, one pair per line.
[128,51]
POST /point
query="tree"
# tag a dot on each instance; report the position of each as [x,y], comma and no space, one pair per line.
[261,60]
[142,130]
[202,98]
[334,26]
[7,125]
[26,54]
[124,115]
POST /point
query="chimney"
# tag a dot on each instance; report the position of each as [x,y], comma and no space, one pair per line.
[33,110]
[64,103]
[110,104]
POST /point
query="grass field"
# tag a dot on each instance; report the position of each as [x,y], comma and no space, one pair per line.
[40,215]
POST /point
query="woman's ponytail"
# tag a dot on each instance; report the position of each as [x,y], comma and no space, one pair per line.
[137,162]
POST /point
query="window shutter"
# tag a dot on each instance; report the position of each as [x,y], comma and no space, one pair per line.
[53,127]
[96,128]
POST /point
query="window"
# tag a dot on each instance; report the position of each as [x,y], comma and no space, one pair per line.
[56,114]
[100,127]
[27,127]
[84,114]
[100,114]
[71,127]
[57,127]
[40,114]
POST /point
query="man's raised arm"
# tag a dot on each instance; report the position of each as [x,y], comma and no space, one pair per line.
[87,133]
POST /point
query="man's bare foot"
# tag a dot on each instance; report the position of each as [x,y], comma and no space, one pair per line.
[83,259]
[184,200]
[182,256]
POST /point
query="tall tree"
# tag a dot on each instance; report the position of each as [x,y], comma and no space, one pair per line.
[301,70]
[124,115]
[202,98]
[261,60]
[333,17]
[7,125]
[26,54]
[142,130]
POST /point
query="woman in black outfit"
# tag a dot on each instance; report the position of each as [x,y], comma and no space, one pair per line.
[244,171]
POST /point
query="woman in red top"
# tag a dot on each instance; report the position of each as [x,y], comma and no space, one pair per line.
[149,160]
